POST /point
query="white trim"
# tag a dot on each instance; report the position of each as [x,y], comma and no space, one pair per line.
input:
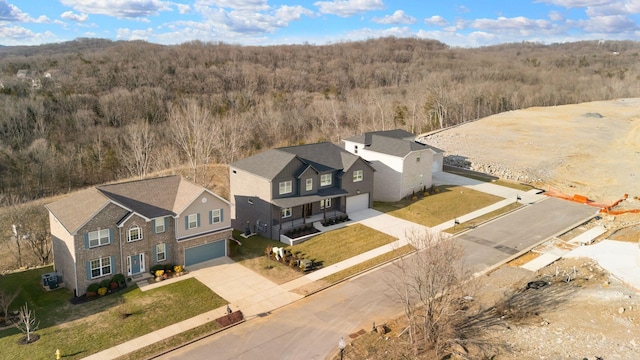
[100,266]
[285,187]
[198,235]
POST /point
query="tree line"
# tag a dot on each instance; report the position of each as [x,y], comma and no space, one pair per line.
[90,111]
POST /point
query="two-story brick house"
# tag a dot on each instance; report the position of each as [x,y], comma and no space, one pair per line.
[285,187]
[129,227]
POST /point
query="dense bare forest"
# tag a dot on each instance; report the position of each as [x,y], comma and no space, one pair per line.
[89,111]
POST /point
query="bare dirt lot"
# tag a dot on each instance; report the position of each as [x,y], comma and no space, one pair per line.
[591,149]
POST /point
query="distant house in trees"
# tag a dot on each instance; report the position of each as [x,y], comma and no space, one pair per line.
[280,189]
[402,164]
[129,227]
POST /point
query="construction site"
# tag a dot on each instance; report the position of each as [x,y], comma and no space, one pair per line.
[587,153]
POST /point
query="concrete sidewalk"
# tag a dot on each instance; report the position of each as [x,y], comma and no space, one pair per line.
[253,294]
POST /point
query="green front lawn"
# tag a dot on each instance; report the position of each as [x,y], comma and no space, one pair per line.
[447,203]
[341,244]
[84,329]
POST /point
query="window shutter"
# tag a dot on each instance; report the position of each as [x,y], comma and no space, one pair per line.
[166,224]
[88,270]
[210,217]
[153,226]
[221,215]
[110,235]
[155,254]
[86,240]
[198,220]
[186,222]
[113,264]
[166,252]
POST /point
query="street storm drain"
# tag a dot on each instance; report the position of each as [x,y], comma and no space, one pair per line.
[538,284]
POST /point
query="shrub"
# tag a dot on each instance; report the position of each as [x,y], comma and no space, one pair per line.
[102,291]
[93,288]
[105,283]
[178,268]
[156,267]
[118,279]
[168,267]
[159,273]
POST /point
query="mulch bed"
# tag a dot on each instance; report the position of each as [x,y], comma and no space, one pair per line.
[23,340]
[230,319]
[76,300]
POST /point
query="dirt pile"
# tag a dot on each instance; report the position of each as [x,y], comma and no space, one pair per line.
[592,149]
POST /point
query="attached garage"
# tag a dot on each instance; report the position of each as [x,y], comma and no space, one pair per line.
[358,202]
[200,253]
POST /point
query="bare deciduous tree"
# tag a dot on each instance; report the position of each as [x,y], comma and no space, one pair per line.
[6,298]
[194,131]
[27,323]
[135,148]
[430,285]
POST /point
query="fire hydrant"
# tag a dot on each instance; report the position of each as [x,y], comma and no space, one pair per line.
[58,354]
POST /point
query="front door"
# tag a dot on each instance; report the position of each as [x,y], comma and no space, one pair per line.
[135,264]
[307,210]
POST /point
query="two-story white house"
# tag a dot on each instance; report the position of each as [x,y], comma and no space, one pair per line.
[403,165]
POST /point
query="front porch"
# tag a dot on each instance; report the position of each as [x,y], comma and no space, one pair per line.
[314,222]
[286,224]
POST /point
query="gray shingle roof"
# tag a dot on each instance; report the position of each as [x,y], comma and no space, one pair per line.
[323,157]
[396,142]
[266,164]
[151,198]
[393,134]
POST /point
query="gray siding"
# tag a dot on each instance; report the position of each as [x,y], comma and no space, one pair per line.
[364,186]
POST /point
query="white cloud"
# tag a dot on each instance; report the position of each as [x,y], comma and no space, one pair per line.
[253,5]
[346,8]
[613,24]
[119,8]
[128,34]
[70,15]
[398,17]
[10,12]
[519,23]
[436,20]
[556,16]
[18,35]
[576,3]
[183,8]
[291,13]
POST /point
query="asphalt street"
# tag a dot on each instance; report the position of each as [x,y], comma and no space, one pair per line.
[311,328]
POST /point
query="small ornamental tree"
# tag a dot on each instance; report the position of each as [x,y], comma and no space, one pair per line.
[27,323]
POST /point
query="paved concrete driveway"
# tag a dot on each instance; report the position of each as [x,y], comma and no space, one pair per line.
[520,230]
[244,289]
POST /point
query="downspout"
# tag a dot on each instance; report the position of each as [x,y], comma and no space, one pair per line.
[75,269]
[120,244]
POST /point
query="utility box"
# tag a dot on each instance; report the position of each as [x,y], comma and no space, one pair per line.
[51,280]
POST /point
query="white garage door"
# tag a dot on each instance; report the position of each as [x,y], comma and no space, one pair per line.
[358,202]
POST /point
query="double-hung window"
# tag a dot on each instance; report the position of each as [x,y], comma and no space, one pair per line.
[216,216]
[286,187]
[159,225]
[325,179]
[309,184]
[161,252]
[100,267]
[192,221]
[98,238]
[286,212]
[134,233]
[357,175]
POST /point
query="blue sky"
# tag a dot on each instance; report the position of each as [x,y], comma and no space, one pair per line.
[464,23]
